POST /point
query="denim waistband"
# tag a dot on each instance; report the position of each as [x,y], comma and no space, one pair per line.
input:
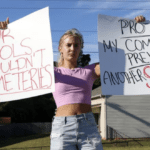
[75,117]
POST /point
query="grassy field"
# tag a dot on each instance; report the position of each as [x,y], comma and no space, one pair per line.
[38,141]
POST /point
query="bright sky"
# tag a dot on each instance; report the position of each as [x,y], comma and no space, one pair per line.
[80,14]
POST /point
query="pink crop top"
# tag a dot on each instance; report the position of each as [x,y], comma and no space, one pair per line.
[73,86]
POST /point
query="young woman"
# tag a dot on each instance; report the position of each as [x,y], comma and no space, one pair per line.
[74,126]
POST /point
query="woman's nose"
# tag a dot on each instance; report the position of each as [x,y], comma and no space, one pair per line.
[72,47]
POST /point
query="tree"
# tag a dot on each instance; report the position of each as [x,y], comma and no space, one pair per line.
[35,109]
[84,60]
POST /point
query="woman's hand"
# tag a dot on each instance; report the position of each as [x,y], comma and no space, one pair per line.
[140,19]
[97,69]
[3,25]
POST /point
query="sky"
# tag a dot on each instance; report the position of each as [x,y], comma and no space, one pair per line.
[79,14]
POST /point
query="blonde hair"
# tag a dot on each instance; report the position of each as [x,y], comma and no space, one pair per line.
[75,33]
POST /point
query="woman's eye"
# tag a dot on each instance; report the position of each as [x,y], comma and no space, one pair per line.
[69,45]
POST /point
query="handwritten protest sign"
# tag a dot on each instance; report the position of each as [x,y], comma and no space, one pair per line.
[26,57]
[124,52]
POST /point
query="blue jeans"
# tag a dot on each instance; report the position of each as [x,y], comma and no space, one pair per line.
[77,132]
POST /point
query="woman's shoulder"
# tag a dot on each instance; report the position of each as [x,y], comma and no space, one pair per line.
[91,66]
[57,69]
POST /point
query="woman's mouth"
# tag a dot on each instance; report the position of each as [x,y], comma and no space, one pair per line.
[71,54]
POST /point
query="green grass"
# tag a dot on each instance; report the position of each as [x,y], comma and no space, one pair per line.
[28,141]
[128,148]
[125,142]
[37,141]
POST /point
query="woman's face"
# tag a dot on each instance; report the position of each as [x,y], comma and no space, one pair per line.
[70,48]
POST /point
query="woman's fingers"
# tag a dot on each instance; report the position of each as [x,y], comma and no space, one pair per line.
[3,25]
[140,18]
[7,20]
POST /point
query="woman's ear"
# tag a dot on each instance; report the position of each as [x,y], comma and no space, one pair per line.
[59,48]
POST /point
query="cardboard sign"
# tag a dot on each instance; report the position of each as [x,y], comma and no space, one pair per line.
[26,57]
[124,52]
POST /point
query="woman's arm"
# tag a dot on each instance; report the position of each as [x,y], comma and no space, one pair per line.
[97,69]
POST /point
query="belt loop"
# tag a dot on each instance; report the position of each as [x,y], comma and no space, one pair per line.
[65,119]
[53,118]
[85,116]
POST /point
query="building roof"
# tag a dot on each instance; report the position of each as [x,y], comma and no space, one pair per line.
[96,92]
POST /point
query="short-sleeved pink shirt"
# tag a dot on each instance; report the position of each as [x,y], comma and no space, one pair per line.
[73,86]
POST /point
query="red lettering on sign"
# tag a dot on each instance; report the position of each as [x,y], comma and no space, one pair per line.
[147,76]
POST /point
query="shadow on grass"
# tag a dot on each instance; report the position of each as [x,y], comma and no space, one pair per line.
[127,142]
[14,140]
[19,132]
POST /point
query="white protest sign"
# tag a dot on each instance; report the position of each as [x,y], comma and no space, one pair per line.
[124,53]
[26,57]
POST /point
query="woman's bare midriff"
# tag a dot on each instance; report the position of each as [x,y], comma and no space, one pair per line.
[73,109]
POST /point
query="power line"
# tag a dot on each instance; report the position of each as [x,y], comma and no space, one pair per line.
[84,42]
[83,52]
[66,30]
[77,8]
[106,1]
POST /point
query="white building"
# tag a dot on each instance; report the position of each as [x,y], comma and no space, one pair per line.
[121,116]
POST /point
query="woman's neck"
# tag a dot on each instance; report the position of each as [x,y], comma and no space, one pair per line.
[69,66]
